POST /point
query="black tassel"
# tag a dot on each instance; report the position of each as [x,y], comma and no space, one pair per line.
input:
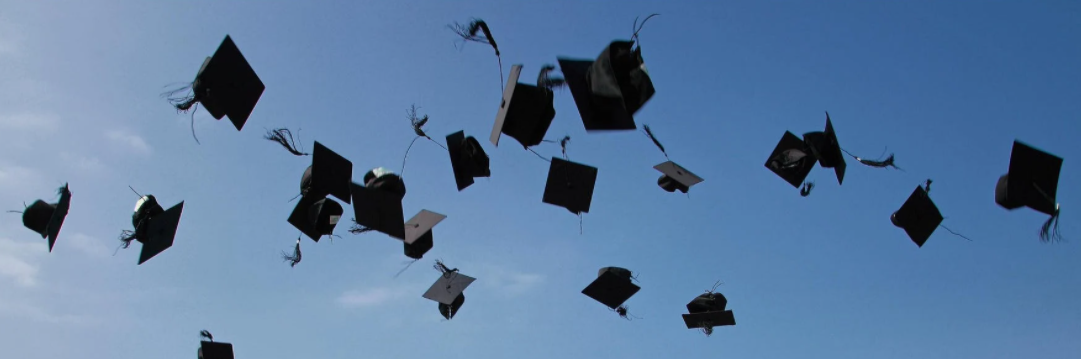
[295,258]
[707,329]
[284,137]
[638,28]
[888,162]
[359,229]
[655,142]
[806,190]
[469,33]
[206,334]
[547,81]
[126,237]
[622,311]
[442,268]
[184,103]
[1049,231]
[417,123]
[927,187]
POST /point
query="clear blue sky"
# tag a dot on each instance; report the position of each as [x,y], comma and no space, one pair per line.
[947,86]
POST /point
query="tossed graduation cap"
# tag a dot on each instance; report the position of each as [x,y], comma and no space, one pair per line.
[570,185]
[707,311]
[612,288]
[448,287]
[226,85]
[47,218]
[155,227]
[792,160]
[609,90]
[1032,181]
[209,349]
[449,310]
[329,174]
[827,149]
[467,158]
[316,216]
[674,177]
[919,216]
[378,206]
[418,233]
[526,111]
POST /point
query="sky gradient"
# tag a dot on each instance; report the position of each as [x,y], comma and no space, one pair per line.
[945,85]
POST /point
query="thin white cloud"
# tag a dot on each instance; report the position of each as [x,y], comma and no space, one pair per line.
[129,140]
[88,245]
[83,163]
[35,312]
[19,261]
[22,123]
[509,282]
[369,297]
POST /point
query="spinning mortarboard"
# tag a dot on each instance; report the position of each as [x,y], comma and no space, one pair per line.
[919,216]
[791,160]
[378,205]
[707,311]
[1032,181]
[570,185]
[825,147]
[226,85]
[448,289]
[675,177]
[47,218]
[418,233]
[612,287]
[525,113]
[209,349]
[329,174]
[315,216]
[155,228]
[467,158]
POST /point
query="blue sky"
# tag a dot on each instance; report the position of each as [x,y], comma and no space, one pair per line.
[947,86]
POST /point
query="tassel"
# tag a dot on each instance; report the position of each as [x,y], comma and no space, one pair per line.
[622,311]
[184,103]
[1049,231]
[280,136]
[126,237]
[638,28]
[469,33]
[206,334]
[442,268]
[707,330]
[655,142]
[295,258]
[927,187]
[406,267]
[806,190]
[416,122]
[888,162]
[359,229]
[549,82]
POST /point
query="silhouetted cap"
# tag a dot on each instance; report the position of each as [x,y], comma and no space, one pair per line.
[155,228]
[227,85]
[707,302]
[827,149]
[467,158]
[570,185]
[792,160]
[525,113]
[448,287]
[329,174]
[1032,180]
[919,216]
[384,180]
[47,218]
[675,177]
[418,233]
[708,311]
[448,311]
[215,350]
[379,209]
[316,216]
[612,287]
[608,91]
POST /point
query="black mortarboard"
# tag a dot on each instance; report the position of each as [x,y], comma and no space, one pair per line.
[525,112]
[707,311]
[609,90]
[467,158]
[316,216]
[448,311]
[919,216]
[570,185]
[418,233]
[792,160]
[227,85]
[155,228]
[47,218]
[1032,181]
[449,286]
[329,174]
[215,350]
[827,149]
[379,209]
[612,287]
[675,177]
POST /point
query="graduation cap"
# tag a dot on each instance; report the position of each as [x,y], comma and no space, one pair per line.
[209,349]
[418,233]
[825,147]
[525,112]
[1032,181]
[675,177]
[448,289]
[707,311]
[315,216]
[329,174]
[47,218]
[792,159]
[570,185]
[379,208]
[919,216]
[612,287]
[155,227]
[226,85]
[609,90]
[467,158]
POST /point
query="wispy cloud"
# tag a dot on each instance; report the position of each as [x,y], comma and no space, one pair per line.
[83,163]
[507,281]
[38,313]
[23,122]
[90,246]
[370,297]
[19,261]
[130,140]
